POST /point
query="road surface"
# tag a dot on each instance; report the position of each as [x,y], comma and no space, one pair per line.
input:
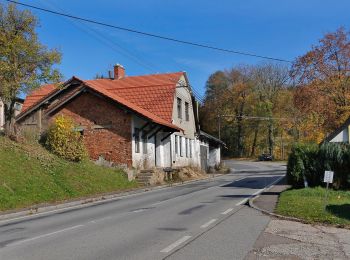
[200,220]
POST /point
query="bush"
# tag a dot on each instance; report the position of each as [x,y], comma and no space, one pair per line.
[309,161]
[334,156]
[301,164]
[64,141]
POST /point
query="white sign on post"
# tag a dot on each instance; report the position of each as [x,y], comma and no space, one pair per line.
[328,176]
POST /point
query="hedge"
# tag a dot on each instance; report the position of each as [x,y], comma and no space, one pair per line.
[307,163]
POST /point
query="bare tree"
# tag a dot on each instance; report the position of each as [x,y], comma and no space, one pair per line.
[269,80]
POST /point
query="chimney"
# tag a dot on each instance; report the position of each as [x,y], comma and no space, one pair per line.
[119,71]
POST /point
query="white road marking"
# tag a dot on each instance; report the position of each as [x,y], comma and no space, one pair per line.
[258,192]
[138,210]
[45,235]
[175,244]
[208,223]
[157,203]
[227,211]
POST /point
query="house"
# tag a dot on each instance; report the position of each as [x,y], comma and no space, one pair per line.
[341,134]
[17,108]
[135,121]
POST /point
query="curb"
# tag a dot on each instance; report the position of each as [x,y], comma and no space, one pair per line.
[37,210]
[252,205]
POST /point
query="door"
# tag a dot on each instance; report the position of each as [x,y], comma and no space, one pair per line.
[204,156]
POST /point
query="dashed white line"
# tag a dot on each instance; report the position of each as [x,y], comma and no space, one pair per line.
[226,211]
[157,203]
[175,244]
[138,210]
[208,223]
[45,235]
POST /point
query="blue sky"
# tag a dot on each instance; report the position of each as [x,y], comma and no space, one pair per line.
[282,29]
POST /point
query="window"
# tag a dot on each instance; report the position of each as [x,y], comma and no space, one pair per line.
[137,140]
[187,112]
[181,150]
[179,108]
[190,144]
[186,144]
[144,142]
[176,145]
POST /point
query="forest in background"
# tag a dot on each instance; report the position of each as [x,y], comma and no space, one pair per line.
[268,107]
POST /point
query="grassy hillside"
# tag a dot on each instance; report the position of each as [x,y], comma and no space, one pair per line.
[30,175]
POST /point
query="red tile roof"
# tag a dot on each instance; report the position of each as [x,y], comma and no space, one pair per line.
[154,93]
[151,95]
[37,95]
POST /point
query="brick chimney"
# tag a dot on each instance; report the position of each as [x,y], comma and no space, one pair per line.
[119,71]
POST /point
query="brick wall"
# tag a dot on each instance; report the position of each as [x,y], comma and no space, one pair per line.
[113,140]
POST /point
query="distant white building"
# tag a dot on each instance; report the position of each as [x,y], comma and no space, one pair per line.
[340,135]
[18,108]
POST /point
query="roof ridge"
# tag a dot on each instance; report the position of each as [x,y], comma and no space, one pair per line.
[143,86]
[145,75]
[154,74]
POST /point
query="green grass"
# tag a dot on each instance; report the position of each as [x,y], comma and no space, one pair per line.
[308,204]
[31,175]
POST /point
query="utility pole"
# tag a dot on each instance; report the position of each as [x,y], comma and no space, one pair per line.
[219,126]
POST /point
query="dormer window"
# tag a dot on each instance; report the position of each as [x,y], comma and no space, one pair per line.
[179,108]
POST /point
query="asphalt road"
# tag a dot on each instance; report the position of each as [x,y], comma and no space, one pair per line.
[201,220]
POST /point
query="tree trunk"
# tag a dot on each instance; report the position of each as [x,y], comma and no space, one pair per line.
[240,145]
[240,137]
[270,137]
[9,117]
[256,131]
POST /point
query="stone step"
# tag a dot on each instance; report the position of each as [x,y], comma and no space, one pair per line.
[146,171]
[143,179]
[145,175]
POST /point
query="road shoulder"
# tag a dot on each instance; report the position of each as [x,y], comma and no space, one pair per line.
[288,239]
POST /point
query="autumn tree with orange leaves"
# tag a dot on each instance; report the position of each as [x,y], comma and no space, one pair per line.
[323,86]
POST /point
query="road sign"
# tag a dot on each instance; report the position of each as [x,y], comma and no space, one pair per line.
[328,176]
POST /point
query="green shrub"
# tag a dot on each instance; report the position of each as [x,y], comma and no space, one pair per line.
[309,161]
[64,141]
[335,157]
[301,164]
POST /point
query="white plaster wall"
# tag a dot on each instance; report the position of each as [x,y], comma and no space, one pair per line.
[342,137]
[214,157]
[18,108]
[178,160]
[198,144]
[141,160]
[189,128]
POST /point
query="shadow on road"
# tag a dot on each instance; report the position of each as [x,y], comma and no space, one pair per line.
[251,182]
[224,197]
[275,171]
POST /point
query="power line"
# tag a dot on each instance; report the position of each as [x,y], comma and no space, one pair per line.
[150,34]
[257,117]
[102,38]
